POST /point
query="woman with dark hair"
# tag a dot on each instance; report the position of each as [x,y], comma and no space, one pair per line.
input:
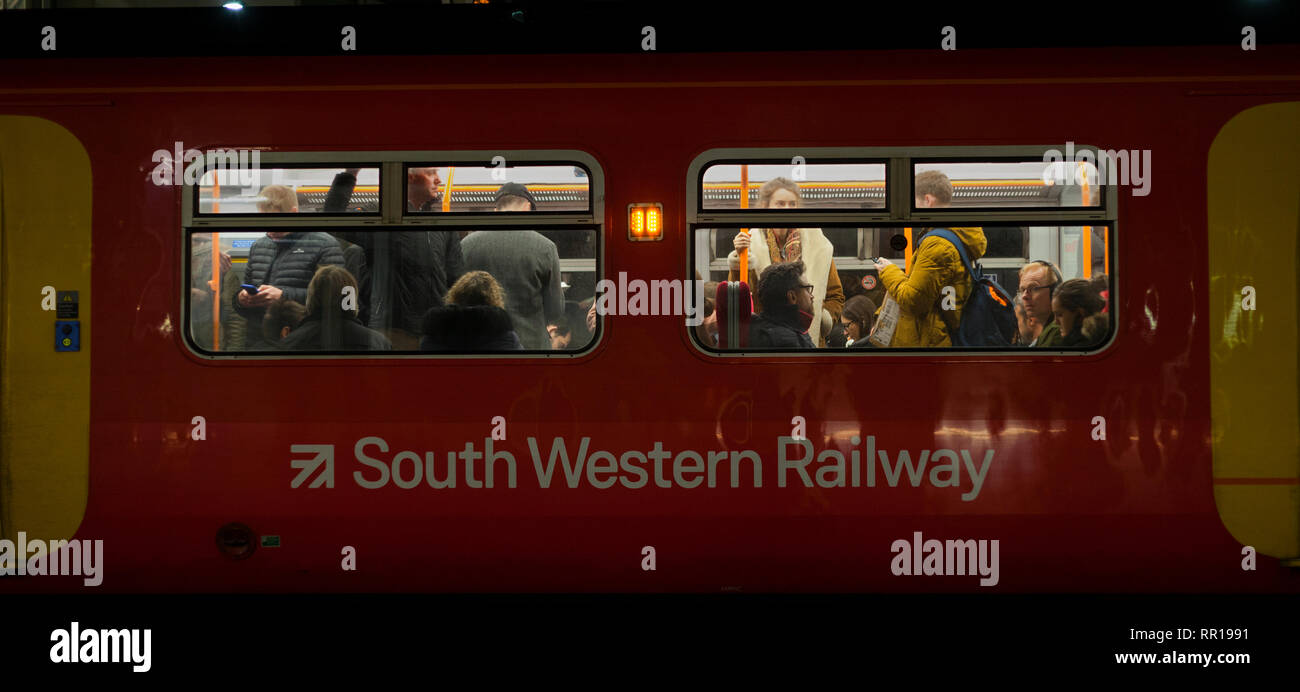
[1077,307]
[329,326]
[474,318]
[859,313]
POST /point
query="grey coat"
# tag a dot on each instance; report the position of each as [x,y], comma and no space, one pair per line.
[527,266]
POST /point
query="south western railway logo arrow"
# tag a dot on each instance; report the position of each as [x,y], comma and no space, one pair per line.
[324,457]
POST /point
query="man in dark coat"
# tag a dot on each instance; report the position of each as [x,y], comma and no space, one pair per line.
[526,264]
[787,299]
[410,271]
[281,265]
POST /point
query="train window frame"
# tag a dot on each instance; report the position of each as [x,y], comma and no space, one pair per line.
[510,163]
[394,217]
[900,212]
[698,202]
[196,216]
[958,211]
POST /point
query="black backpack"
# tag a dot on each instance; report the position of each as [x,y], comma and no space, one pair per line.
[988,319]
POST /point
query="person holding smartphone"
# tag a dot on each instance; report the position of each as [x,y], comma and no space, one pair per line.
[280,265]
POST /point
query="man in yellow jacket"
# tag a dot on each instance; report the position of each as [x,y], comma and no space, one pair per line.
[923,320]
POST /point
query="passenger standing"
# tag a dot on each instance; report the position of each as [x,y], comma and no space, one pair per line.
[410,271]
[1039,281]
[923,320]
[808,245]
[281,265]
[329,326]
[526,264]
[787,299]
[202,295]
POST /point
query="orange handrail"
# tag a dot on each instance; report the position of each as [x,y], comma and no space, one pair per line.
[1087,230]
[743,274]
[215,283]
[907,251]
[446,195]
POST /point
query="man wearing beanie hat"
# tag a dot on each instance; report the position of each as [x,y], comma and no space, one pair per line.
[526,264]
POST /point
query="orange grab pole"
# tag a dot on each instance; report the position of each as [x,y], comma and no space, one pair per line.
[446,195]
[744,204]
[215,283]
[1087,230]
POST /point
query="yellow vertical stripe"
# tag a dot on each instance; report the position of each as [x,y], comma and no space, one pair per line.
[44,395]
[1254,220]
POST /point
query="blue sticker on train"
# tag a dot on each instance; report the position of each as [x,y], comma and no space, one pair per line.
[242,243]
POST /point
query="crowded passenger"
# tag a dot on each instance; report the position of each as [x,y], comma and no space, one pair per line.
[807,245]
[786,295]
[282,317]
[410,271]
[923,319]
[1101,283]
[1027,326]
[560,334]
[859,314]
[281,265]
[203,292]
[331,323]
[526,264]
[707,330]
[474,318]
[1078,310]
[1039,281]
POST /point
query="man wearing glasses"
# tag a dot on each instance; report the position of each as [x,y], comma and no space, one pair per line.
[787,299]
[1038,282]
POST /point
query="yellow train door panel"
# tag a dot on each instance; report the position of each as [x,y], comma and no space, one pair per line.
[1254,221]
[45,207]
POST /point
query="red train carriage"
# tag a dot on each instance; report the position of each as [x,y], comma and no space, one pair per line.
[1142,463]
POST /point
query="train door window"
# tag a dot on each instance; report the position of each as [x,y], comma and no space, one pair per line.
[1012,206]
[402,281]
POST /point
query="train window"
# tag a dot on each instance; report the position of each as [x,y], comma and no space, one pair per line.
[287,190]
[1081,322]
[876,274]
[445,291]
[794,184]
[1005,185]
[497,188]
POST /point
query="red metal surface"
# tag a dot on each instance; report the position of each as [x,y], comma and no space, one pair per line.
[1134,513]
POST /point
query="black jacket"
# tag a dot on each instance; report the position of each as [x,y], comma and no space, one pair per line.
[475,328]
[410,271]
[353,336]
[288,264]
[778,328]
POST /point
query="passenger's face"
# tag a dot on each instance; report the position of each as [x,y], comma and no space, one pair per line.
[803,296]
[851,328]
[783,199]
[1035,285]
[1065,319]
[1025,325]
[276,234]
[422,182]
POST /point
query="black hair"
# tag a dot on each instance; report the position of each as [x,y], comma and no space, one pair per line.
[778,280]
